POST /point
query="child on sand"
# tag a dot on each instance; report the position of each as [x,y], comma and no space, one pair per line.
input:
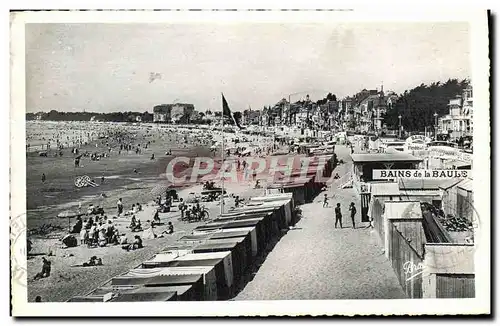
[46,267]
[83,236]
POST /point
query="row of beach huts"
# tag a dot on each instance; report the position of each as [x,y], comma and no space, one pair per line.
[218,258]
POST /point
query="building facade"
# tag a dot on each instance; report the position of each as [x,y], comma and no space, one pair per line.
[176,113]
[459,121]
[364,112]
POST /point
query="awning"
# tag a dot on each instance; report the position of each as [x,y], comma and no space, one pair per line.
[457,163]
[466,185]
[385,189]
[449,183]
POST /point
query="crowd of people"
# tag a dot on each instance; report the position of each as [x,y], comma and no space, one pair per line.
[97,230]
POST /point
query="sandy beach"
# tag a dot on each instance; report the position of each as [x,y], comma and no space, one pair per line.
[127,175]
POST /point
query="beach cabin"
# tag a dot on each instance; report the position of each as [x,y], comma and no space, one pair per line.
[457,198]
[176,250]
[208,272]
[214,259]
[280,214]
[423,190]
[193,280]
[266,221]
[301,190]
[257,237]
[364,164]
[277,200]
[93,298]
[448,271]
[149,296]
[194,239]
[380,194]
[236,248]
[404,242]
[182,292]
[229,234]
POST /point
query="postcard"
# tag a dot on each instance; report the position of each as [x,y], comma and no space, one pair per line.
[250,163]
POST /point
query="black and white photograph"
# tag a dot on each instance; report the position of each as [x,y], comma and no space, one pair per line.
[338,161]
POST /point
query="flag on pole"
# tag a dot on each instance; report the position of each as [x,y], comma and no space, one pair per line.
[226,112]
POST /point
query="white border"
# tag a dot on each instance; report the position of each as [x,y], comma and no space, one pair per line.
[480,66]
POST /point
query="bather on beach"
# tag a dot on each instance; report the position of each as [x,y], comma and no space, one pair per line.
[137,244]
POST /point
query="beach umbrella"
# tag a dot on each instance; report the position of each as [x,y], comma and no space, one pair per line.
[69,214]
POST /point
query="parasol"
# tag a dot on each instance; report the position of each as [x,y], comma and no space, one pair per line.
[69,214]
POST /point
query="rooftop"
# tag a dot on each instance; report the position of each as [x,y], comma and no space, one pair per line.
[422,184]
[403,209]
[385,189]
[466,185]
[384,157]
[449,183]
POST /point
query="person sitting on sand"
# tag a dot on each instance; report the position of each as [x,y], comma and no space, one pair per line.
[138,226]
[123,239]
[93,261]
[132,211]
[137,244]
[78,225]
[133,222]
[91,209]
[135,225]
[170,228]
[102,241]
[237,201]
[114,237]
[89,223]
[46,267]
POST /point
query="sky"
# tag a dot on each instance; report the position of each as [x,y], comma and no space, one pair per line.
[133,67]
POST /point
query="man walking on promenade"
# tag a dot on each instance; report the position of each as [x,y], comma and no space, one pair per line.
[352,208]
[338,216]
[325,201]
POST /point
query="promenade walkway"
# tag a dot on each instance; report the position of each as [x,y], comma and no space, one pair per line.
[314,260]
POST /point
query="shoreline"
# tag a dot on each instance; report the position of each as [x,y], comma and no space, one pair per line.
[120,182]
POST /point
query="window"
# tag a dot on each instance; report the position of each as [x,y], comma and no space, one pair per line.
[436,203]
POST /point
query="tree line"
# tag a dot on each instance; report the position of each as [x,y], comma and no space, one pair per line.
[54,115]
[418,105]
